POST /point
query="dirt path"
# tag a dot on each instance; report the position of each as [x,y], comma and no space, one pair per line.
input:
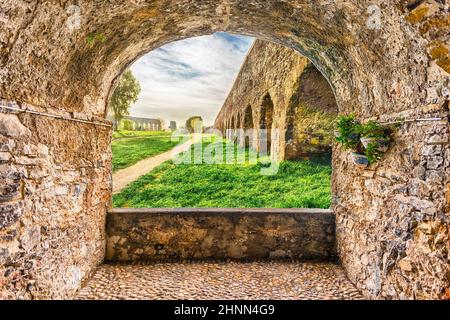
[124,177]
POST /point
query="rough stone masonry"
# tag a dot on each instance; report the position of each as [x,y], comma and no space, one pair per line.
[206,234]
[54,191]
[383,58]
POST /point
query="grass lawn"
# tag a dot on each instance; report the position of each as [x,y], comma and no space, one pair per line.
[132,134]
[302,184]
[131,147]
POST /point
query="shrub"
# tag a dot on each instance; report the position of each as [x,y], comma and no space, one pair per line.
[372,129]
[127,125]
[373,153]
[350,132]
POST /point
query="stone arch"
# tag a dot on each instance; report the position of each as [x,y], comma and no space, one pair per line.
[234,126]
[248,118]
[266,123]
[248,126]
[313,101]
[225,127]
[385,65]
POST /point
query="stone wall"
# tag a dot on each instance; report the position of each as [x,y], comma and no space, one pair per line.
[287,96]
[54,192]
[239,234]
[402,201]
[143,123]
[383,58]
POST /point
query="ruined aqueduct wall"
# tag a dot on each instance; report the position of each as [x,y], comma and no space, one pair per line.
[277,84]
[383,58]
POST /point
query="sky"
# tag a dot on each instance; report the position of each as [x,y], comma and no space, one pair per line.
[189,77]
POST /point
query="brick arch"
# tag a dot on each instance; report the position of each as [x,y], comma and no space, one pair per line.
[383,65]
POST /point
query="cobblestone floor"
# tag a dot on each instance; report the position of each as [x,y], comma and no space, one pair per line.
[231,280]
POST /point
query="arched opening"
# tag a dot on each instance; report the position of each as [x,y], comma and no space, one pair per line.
[235,126]
[310,115]
[248,127]
[384,61]
[225,127]
[266,124]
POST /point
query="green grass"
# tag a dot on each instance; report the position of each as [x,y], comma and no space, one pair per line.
[128,151]
[132,134]
[302,184]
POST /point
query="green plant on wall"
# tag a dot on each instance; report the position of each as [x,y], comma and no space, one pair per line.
[372,129]
[347,134]
[95,37]
[368,141]
[373,152]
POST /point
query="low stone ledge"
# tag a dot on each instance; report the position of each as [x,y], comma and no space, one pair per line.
[239,234]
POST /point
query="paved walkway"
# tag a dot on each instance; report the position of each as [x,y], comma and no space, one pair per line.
[210,280]
[124,177]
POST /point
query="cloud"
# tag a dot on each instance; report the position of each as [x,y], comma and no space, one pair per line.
[189,77]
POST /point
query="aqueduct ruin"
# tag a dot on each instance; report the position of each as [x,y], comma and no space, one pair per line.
[384,59]
[277,88]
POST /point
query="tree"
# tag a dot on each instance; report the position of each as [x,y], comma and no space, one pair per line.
[195,122]
[163,124]
[125,94]
[127,125]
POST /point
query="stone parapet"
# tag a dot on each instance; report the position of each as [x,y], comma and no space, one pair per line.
[240,234]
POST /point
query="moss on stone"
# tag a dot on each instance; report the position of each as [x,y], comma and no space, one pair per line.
[314,130]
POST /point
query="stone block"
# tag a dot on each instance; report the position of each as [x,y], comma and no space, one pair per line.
[10,190]
[9,214]
[434,163]
[11,126]
[419,188]
[61,190]
[30,239]
[4,157]
[26,161]
[7,146]
[434,177]
[405,264]
[432,150]
[438,139]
